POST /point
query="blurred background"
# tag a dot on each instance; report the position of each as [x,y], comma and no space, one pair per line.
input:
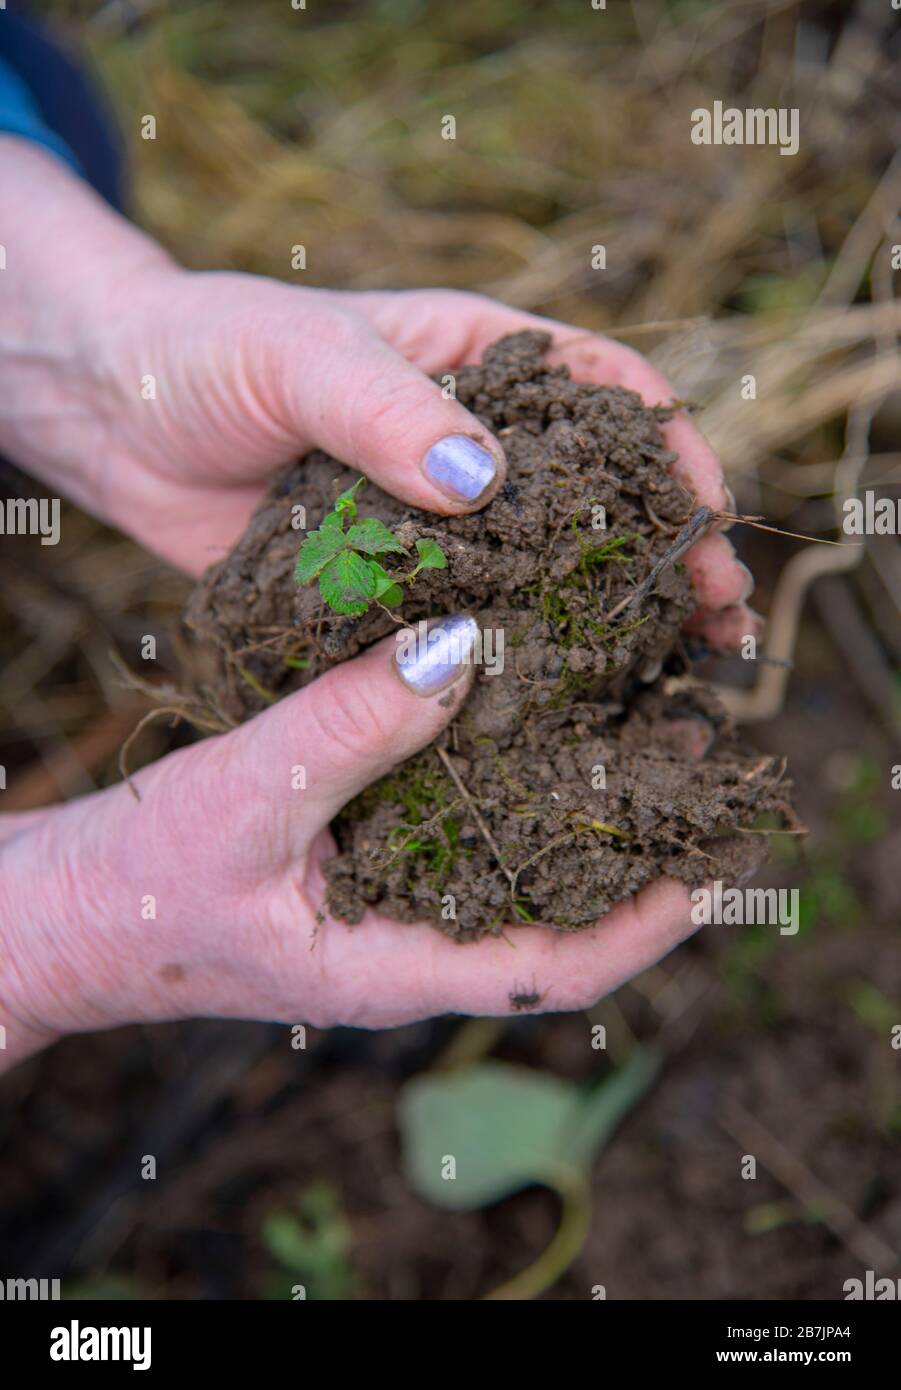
[280,1165]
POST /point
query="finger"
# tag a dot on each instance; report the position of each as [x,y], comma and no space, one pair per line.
[461,326]
[354,724]
[457,327]
[572,970]
[346,389]
[697,466]
[429,974]
[718,576]
[727,630]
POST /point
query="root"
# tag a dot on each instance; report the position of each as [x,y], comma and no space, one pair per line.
[178,711]
[595,827]
[477,817]
[208,715]
[256,685]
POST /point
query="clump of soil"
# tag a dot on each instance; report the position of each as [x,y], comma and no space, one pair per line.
[592,762]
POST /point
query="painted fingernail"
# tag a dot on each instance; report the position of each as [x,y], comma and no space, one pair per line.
[460,467]
[431,656]
[748,588]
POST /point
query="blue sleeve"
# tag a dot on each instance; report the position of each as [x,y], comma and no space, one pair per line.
[19,115]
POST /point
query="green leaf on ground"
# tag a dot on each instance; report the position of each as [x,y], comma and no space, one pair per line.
[372,536]
[317,550]
[507,1127]
[387,590]
[312,1242]
[347,501]
[347,583]
[431,556]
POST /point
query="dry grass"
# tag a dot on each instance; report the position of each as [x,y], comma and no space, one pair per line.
[572,129]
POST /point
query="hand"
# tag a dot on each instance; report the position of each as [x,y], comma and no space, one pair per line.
[203,899]
[249,373]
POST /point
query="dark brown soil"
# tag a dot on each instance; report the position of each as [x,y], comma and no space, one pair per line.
[584,686]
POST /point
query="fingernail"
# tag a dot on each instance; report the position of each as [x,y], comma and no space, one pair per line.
[748,588]
[431,657]
[460,467]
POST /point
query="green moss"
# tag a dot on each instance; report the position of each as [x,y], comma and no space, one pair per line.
[419,789]
[571,623]
[441,850]
[611,551]
[429,832]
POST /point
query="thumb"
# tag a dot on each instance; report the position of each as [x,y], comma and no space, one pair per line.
[358,399]
[359,720]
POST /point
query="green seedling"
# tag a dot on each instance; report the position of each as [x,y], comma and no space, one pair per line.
[341,555]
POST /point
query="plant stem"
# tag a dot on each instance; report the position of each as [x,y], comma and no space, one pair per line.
[567,1241]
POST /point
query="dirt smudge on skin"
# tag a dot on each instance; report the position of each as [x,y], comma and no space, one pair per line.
[172,974]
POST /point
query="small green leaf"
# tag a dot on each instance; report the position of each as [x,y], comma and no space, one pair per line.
[431,556]
[347,583]
[311,1239]
[387,590]
[332,521]
[346,502]
[372,536]
[317,550]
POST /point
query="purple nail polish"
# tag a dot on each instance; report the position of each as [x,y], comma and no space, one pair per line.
[460,467]
[430,657]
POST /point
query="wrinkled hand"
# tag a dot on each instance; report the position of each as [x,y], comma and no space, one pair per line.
[247,374]
[250,373]
[205,898]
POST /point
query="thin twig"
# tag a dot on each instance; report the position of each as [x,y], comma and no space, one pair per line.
[778,530]
[691,532]
[486,833]
[123,751]
[552,844]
